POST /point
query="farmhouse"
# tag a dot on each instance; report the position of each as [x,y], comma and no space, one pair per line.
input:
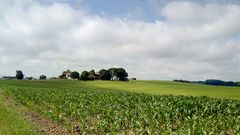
[68,75]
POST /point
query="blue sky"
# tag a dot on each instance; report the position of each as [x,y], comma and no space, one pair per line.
[139,9]
[146,10]
[151,39]
[116,8]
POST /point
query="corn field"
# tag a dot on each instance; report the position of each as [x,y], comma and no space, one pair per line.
[98,111]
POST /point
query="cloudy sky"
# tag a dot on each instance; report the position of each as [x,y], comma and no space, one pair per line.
[151,39]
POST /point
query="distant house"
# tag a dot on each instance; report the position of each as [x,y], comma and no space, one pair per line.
[115,78]
[68,75]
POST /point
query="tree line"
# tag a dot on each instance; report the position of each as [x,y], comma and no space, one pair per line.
[104,74]
[119,74]
[211,82]
[20,76]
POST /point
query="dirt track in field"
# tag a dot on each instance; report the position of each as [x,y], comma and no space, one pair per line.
[43,125]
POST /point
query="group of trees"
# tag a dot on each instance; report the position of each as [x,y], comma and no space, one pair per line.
[110,74]
[117,74]
[20,76]
[212,82]
[221,83]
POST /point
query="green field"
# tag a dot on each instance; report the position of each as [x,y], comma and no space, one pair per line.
[150,107]
[149,87]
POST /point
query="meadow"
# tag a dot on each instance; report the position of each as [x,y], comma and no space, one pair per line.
[151,107]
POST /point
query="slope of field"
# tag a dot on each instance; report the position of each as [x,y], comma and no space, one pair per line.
[150,87]
[104,107]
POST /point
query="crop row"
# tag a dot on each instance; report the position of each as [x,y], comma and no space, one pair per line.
[123,112]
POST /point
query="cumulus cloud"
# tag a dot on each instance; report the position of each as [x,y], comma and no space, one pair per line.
[196,41]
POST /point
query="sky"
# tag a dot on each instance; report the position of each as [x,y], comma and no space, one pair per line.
[151,39]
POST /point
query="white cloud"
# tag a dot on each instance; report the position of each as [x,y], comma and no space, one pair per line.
[195,42]
[194,12]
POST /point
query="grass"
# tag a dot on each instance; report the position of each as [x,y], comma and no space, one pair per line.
[174,88]
[11,122]
[149,87]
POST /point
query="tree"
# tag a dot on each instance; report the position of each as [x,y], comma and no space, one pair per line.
[67,71]
[19,75]
[85,75]
[105,74]
[42,77]
[75,75]
[113,72]
[122,74]
[92,75]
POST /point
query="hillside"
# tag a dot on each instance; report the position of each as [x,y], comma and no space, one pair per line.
[150,87]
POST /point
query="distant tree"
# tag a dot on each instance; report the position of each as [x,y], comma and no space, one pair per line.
[85,75]
[122,74]
[42,77]
[92,75]
[62,77]
[183,81]
[215,82]
[231,83]
[67,71]
[75,75]
[220,83]
[19,75]
[238,83]
[113,72]
[97,76]
[105,74]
